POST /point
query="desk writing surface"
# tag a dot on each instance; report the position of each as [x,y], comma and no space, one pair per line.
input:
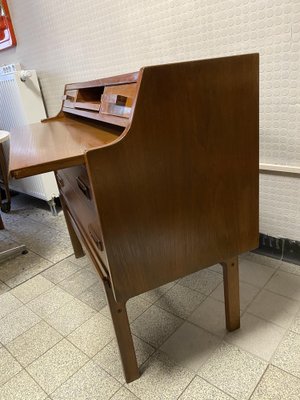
[52,145]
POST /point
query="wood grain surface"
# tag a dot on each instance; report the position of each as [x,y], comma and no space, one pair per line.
[179,192]
[58,143]
[172,193]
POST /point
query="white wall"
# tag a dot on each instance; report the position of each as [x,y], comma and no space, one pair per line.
[74,40]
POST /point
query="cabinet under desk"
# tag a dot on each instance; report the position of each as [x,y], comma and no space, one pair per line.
[158,176]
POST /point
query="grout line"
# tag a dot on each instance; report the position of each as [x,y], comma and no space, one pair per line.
[221,390]
[259,381]
[286,372]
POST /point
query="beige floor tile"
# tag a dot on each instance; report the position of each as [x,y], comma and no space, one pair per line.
[190,346]
[155,325]
[78,282]
[58,245]
[22,230]
[210,315]
[8,303]
[233,371]
[81,262]
[247,294]
[180,300]
[287,355]
[19,269]
[60,271]
[216,268]
[94,296]
[50,301]
[43,215]
[69,317]
[204,281]
[295,326]
[8,366]
[152,295]
[285,284]
[16,323]
[32,288]
[256,336]
[290,268]
[55,366]
[90,382]
[274,308]
[277,385]
[255,274]
[6,243]
[22,387]
[161,379]
[33,343]
[260,259]
[124,394]
[135,307]
[25,276]
[93,335]
[109,359]
[199,389]
[3,288]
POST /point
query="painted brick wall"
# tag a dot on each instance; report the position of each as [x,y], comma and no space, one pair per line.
[73,40]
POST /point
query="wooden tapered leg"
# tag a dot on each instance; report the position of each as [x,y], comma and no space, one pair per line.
[231,293]
[123,335]
[78,250]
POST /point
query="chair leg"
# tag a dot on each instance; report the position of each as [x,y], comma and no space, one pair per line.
[4,173]
[121,324]
[231,293]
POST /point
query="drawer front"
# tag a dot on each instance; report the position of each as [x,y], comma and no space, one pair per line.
[75,187]
[118,99]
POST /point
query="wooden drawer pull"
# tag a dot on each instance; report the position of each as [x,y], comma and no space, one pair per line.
[83,187]
[96,240]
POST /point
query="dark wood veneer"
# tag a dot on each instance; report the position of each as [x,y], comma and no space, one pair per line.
[164,190]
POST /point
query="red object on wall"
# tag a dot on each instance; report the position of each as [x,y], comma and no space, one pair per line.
[7,34]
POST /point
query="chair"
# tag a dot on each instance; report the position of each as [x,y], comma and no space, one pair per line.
[4,136]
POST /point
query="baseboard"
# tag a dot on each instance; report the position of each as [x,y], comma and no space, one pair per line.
[283,249]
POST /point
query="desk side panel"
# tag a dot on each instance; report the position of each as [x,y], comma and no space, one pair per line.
[180,191]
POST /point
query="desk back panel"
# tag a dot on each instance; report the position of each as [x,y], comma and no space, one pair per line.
[179,191]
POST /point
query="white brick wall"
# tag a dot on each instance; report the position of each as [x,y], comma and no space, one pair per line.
[73,40]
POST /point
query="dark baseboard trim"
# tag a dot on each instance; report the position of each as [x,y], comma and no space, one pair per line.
[283,249]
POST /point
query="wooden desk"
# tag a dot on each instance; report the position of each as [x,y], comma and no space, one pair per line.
[158,176]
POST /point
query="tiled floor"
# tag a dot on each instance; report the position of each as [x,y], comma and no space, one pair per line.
[57,341]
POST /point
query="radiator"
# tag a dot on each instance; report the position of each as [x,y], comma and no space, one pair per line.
[21,103]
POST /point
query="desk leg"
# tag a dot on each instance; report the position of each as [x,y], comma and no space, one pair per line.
[231,293]
[123,335]
[78,250]
[1,223]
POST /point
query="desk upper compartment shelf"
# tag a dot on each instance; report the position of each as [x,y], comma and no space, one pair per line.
[108,100]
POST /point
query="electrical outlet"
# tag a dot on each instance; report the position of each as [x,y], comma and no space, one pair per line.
[270,246]
[291,251]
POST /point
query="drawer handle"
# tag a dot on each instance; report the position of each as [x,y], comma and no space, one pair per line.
[83,187]
[60,181]
[96,240]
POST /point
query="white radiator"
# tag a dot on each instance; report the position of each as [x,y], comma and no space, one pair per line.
[21,103]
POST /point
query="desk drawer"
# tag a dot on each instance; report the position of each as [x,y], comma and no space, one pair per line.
[74,186]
